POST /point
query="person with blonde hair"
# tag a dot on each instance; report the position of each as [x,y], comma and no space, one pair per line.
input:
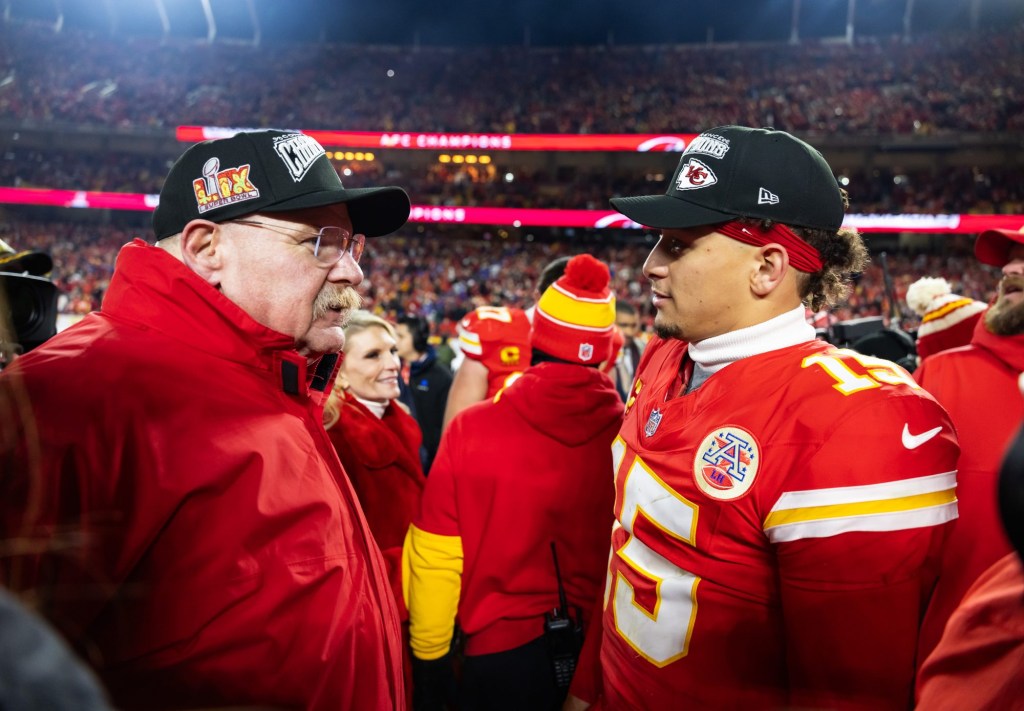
[377,440]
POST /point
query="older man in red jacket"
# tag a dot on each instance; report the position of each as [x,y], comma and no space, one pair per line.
[177,507]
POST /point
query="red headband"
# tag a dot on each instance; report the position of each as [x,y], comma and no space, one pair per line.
[801,255]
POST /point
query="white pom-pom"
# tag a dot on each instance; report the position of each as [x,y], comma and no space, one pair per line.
[922,293]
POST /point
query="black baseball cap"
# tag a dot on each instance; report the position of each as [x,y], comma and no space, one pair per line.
[267,171]
[734,171]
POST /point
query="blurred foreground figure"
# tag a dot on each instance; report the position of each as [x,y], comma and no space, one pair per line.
[979,662]
[175,505]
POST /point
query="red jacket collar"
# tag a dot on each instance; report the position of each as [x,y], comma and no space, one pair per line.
[1009,349]
[152,288]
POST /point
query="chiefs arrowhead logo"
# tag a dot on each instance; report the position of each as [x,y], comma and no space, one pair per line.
[695,174]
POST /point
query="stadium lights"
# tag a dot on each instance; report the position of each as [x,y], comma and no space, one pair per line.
[361,156]
[464,158]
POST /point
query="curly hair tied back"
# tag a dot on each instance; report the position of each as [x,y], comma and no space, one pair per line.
[843,254]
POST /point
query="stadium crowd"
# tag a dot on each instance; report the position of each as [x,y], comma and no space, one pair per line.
[441,273]
[952,83]
[954,190]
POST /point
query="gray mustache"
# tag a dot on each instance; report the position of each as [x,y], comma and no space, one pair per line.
[335,298]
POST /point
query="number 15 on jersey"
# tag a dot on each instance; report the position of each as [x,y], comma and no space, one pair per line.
[653,601]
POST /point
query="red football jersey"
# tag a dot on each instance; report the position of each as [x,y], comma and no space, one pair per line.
[776,535]
[498,337]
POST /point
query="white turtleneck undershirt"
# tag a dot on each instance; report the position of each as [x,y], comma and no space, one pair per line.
[377,408]
[712,354]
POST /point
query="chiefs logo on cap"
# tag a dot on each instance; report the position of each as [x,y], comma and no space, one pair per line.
[695,174]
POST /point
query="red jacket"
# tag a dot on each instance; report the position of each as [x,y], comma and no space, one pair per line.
[201,545]
[977,384]
[978,663]
[382,460]
[510,477]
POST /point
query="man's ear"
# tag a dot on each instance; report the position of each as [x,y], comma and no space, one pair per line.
[202,249]
[771,269]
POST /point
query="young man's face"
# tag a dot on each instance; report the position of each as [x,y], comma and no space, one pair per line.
[699,283]
[627,323]
[275,277]
[405,348]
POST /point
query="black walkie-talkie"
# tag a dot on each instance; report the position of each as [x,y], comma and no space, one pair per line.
[563,633]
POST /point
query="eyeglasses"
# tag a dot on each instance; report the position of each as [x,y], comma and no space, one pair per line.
[328,245]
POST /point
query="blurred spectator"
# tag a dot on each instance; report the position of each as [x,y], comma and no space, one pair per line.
[627,320]
[978,387]
[37,670]
[428,381]
[947,319]
[929,85]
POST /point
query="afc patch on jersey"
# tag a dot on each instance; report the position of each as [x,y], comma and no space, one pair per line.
[726,463]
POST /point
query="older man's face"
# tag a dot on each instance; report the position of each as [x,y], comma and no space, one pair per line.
[277,280]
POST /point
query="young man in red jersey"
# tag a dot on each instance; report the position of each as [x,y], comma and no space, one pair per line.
[780,504]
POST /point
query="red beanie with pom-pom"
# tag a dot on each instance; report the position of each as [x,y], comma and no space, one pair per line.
[575,316]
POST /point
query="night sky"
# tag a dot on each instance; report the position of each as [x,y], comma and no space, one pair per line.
[539,22]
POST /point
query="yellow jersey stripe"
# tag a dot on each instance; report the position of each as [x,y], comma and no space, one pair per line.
[898,489]
[865,508]
[470,343]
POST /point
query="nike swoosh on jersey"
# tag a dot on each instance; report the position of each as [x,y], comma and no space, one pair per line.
[913,441]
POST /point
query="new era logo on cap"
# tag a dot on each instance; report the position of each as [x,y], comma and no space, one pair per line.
[766,197]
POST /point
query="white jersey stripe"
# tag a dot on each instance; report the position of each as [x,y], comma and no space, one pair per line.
[894,521]
[865,493]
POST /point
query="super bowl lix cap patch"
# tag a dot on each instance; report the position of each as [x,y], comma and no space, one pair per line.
[217,188]
[267,171]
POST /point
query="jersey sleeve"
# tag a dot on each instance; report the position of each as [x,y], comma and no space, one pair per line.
[432,561]
[499,338]
[858,536]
